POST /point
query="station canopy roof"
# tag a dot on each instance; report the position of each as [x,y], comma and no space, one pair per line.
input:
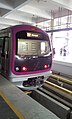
[14,12]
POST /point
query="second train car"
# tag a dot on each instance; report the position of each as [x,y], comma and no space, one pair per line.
[26,56]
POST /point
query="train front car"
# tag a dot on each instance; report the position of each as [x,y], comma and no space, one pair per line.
[31,57]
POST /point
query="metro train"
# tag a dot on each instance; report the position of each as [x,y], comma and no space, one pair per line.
[26,56]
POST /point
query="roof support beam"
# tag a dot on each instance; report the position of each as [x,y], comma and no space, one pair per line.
[35,11]
[6,6]
[64,3]
[8,21]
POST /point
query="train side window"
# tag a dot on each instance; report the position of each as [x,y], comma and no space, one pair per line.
[5,49]
[1,46]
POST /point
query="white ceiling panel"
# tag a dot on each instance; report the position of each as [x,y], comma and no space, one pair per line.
[14,12]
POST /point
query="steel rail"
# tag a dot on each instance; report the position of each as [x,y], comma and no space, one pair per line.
[58,87]
[62,79]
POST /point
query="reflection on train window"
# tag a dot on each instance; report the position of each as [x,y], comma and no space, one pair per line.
[42,47]
[32,47]
[6,46]
[22,46]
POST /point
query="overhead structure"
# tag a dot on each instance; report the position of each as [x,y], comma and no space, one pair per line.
[15,12]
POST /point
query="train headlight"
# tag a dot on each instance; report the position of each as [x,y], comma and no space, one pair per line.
[17,68]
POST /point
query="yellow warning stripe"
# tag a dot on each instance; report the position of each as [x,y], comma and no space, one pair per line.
[27,92]
[11,106]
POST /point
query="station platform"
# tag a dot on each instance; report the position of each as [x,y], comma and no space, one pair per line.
[15,104]
[62,67]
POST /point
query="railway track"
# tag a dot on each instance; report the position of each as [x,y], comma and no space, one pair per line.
[61,81]
[58,92]
[59,88]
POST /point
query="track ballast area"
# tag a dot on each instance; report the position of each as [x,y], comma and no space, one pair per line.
[56,95]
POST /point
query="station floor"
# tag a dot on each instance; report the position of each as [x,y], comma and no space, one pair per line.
[15,104]
[5,111]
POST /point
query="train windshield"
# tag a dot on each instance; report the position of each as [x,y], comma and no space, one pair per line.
[28,47]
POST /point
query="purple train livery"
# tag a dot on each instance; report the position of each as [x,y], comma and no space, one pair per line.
[26,56]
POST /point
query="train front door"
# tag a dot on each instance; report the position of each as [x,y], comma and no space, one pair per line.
[5,56]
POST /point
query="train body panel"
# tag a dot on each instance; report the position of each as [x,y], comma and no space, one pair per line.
[30,81]
[26,57]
